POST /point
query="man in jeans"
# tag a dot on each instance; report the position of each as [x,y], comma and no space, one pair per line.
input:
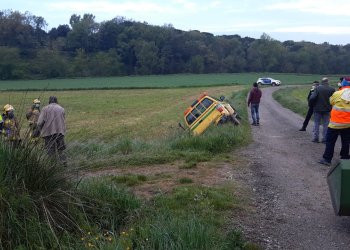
[322,108]
[51,124]
[254,101]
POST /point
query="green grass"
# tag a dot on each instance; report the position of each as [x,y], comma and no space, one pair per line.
[293,98]
[118,128]
[185,180]
[136,127]
[191,217]
[129,179]
[42,208]
[153,81]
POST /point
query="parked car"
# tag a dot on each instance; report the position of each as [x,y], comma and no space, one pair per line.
[207,110]
[268,81]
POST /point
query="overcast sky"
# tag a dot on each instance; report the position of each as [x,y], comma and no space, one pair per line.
[309,20]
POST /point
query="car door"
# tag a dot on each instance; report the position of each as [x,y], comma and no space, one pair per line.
[267,81]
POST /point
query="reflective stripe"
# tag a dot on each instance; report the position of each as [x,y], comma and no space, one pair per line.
[341,109]
[339,124]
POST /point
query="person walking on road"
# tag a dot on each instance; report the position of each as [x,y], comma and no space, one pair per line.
[310,110]
[51,124]
[254,101]
[322,108]
[339,124]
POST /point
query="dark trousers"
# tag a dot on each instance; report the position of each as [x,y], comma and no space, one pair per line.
[54,145]
[331,138]
[310,111]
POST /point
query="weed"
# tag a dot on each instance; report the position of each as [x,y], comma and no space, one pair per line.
[185,180]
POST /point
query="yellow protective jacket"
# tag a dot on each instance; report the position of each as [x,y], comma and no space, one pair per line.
[340,113]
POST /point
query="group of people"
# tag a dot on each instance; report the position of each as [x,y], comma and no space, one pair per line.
[331,110]
[48,123]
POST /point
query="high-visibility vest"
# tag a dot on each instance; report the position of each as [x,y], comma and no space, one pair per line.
[340,114]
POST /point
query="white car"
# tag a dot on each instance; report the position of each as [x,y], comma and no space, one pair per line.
[268,81]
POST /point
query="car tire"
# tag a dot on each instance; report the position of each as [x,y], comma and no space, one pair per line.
[273,84]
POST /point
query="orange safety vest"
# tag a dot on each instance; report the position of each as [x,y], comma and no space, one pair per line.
[340,114]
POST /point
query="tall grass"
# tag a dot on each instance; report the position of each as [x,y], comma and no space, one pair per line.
[191,217]
[41,206]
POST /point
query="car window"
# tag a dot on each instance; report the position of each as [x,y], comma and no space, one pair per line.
[201,108]
[190,118]
[196,113]
[206,102]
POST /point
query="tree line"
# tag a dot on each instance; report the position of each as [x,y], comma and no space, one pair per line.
[120,47]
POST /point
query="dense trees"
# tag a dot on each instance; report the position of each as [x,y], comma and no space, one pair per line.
[124,47]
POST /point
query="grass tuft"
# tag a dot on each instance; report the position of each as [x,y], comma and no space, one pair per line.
[185,180]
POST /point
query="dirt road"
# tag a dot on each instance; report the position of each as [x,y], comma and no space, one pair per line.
[291,197]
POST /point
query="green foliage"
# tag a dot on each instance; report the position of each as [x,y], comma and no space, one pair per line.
[165,231]
[214,140]
[129,179]
[189,218]
[107,204]
[40,206]
[293,98]
[36,198]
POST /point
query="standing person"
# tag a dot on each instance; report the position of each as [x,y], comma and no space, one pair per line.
[51,124]
[339,125]
[254,101]
[310,111]
[33,116]
[322,108]
[10,128]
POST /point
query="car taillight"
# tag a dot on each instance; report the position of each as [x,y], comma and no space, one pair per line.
[219,108]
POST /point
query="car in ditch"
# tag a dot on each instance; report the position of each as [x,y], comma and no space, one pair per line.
[206,111]
[268,81]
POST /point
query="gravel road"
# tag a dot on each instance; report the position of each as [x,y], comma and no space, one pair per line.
[291,196]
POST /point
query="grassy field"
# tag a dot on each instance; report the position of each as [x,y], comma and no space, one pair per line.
[110,114]
[293,98]
[161,81]
[127,130]
[130,127]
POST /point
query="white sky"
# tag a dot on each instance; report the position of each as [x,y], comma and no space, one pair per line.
[309,20]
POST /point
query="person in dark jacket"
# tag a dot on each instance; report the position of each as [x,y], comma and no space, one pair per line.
[254,101]
[322,108]
[310,111]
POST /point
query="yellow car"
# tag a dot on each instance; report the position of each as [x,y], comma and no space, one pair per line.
[207,110]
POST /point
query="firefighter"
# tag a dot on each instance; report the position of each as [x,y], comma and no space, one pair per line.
[33,116]
[10,124]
